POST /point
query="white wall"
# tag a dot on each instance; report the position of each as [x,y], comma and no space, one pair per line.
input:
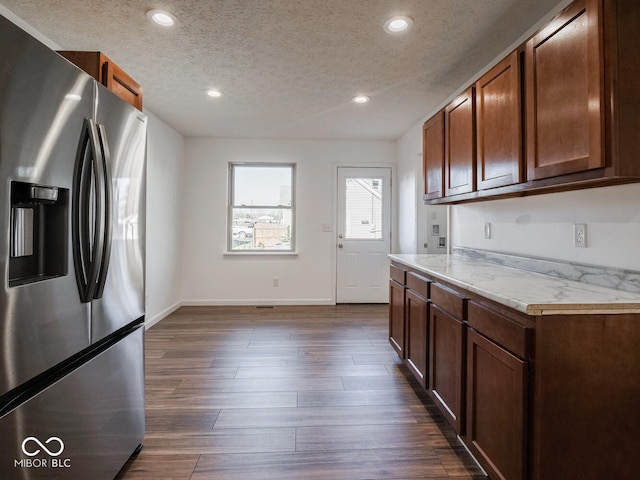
[165,152]
[415,219]
[541,226]
[409,184]
[210,277]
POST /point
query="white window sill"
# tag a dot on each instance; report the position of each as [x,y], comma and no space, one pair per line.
[266,253]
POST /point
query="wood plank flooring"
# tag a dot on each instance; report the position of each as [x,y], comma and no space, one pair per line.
[287,393]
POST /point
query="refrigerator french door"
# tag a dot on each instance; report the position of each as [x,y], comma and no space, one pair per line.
[71,268]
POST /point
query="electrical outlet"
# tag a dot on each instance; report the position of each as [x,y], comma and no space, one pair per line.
[487,231]
[580,235]
[276,282]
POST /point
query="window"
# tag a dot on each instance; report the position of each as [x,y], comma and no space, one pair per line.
[261,207]
[363,208]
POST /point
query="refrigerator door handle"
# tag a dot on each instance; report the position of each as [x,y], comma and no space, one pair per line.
[108,212]
[88,211]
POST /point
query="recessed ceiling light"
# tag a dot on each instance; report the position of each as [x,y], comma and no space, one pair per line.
[214,93]
[161,17]
[361,99]
[397,24]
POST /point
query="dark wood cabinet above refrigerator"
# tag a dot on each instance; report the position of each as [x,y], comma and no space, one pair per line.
[105,71]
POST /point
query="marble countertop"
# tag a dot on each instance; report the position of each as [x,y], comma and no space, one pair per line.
[528,292]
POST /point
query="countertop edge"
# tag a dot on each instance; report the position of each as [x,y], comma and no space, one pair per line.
[532,309]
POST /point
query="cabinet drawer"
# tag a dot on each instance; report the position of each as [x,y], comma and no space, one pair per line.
[501,330]
[398,274]
[418,284]
[449,301]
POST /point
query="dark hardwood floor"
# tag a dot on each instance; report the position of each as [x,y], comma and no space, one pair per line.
[287,393]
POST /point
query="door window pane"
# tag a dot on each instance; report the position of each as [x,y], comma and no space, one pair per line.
[363,204]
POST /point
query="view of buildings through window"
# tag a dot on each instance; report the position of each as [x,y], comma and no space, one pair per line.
[261,207]
[363,208]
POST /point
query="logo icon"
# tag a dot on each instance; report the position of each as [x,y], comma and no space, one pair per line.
[27,446]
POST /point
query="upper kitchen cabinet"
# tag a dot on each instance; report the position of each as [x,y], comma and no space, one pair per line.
[460,145]
[565,95]
[100,67]
[564,115]
[433,156]
[499,125]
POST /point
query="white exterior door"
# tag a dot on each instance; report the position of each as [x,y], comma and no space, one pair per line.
[363,235]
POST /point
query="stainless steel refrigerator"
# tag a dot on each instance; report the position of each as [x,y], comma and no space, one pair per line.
[72,173]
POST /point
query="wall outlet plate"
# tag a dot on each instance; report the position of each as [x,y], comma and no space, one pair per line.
[580,235]
[487,231]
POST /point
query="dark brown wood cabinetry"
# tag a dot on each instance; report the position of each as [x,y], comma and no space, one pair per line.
[533,397]
[396,316]
[408,319]
[447,335]
[496,393]
[579,111]
[433,156]
[460,145]
[105,71]
[417,332]
[499,125]
[564,93]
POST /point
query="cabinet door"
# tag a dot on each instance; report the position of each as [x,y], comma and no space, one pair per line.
[564,92]
[396,317]
[117,80]
[417,321]
[460,146]
[446,363]
[433,156]
[499,125]
[496,393]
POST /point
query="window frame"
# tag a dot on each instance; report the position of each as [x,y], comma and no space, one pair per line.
[231,207]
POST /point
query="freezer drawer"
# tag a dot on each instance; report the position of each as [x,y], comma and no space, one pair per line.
[86,425]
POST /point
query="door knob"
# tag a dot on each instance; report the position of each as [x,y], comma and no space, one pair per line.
[339,245]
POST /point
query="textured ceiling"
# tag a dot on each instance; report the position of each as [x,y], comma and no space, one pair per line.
[289,68]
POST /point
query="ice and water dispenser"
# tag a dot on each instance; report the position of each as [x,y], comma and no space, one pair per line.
[39,233]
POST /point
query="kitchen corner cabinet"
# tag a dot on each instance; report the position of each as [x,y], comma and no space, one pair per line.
[447,334]
[460,145]
[433,156]
[396,310]
[100,67]
[417,319]
[499,125]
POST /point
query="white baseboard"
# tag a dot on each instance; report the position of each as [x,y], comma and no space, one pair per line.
[260,302]
[150,322]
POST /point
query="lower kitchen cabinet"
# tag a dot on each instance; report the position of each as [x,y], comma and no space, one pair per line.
[446,365]
[534,396]
[396,317]
[417,316]
[496,408]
